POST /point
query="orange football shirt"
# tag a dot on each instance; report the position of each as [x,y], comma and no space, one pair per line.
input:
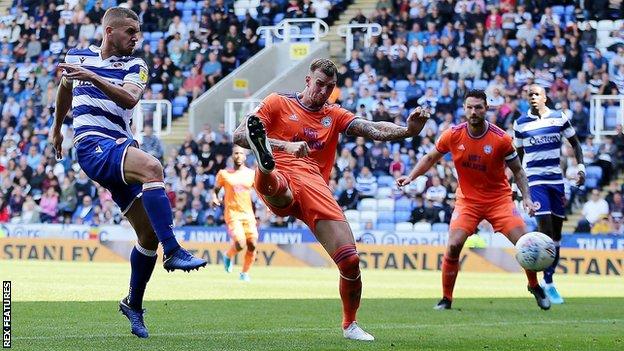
[285,118]
[480,162]
[237,199]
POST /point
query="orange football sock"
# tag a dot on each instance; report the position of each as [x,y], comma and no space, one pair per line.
[450,267]
[348,262]
[250,257]
[532,278]
[231,252]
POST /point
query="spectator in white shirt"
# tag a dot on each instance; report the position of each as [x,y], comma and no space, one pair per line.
[595,208]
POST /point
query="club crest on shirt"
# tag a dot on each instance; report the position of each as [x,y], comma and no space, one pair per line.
[82,59]
[326,121]
[487,149]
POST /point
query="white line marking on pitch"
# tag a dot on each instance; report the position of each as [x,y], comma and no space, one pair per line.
[371,327]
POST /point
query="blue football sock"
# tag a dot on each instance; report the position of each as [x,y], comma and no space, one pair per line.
[160,215]
[142,262]
[550,271]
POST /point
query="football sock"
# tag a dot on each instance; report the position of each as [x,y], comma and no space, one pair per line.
[348,262]
[532,276]
[450,267]
[231,252]
[250,257]
[550,271]
[270,184]
[142,262]
[158,210]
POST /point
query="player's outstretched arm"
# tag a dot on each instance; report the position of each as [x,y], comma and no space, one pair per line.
[523,184]
[63,105]
[126,96]
[421,167]
[386,131]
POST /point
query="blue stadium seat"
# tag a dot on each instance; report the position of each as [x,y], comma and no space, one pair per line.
[422,84]
[403,204]
[278,18]
[385,181]
[180,101]
[189,5]
[611,117]
[480,84]
[513,43]
[402,216]
[547,42]
[385,216]
[558,10]
[177,111]
[186,15]
[388,226]
[179,6]
[592,177]
[157,35]
[147,36]
[440,227]
[569,10]
[468,84]
[434,84]
[156,88]
[401,85]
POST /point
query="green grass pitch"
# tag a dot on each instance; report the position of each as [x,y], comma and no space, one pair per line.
[73,306]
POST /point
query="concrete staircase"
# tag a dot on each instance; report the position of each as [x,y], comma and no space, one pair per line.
[336,43]
[179,129]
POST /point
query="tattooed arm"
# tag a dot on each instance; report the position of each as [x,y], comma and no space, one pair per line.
[385,131]
[298,148]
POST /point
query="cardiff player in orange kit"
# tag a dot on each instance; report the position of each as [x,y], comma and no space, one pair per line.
[294,139]
[239,214]
[480,153]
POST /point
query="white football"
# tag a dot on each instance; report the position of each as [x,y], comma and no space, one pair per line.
[535,251]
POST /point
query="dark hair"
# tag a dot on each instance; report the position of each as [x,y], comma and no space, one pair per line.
[477,94]
[325,65]
[118,13]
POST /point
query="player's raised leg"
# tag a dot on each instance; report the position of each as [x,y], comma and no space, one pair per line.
[338,241]
[142,262]
[534,288]
[140,167]
[450,266]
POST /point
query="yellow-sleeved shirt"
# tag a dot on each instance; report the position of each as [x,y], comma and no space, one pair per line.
[237,199]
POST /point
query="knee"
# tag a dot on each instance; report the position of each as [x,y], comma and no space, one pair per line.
[251,246]
[454,249]
[153,170]
[349,267]
[239,246]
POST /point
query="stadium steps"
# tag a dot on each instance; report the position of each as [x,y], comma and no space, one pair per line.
[179,129]
[337,43]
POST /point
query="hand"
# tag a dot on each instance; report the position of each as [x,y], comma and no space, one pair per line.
[215,202]
[57,142]
[580,178]
[529,206]
[297,148]
[403,180]
[76,72]
[417,119]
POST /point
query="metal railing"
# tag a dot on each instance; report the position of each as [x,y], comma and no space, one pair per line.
[235,110]
[153,110]
[291,28]
[346,31]
[605,115]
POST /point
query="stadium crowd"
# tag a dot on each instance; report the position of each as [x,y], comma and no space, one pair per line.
[429,54]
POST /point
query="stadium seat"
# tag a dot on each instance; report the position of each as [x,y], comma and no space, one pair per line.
[367,205]
[385,180]
[592,177]
[366,216]
[385,216]
[468,84]
[386,226]
[352,215]
[422,84]
[189,5]
[513,43]
[422,227]
[403,204]
[401,85]
[480,84]
[547,42]
[433,84]
[157,35]
[569,10]
[278,18]
[385,204]
[179,6]
[177,111]
[147,36]
[440,227]
[384,193]
[402,216]
[558,10]
[611,117]
[156,88]
[404,227]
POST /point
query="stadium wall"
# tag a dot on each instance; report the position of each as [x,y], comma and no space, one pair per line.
[86,244]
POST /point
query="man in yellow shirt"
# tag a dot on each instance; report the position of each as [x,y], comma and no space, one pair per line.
[239,213]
